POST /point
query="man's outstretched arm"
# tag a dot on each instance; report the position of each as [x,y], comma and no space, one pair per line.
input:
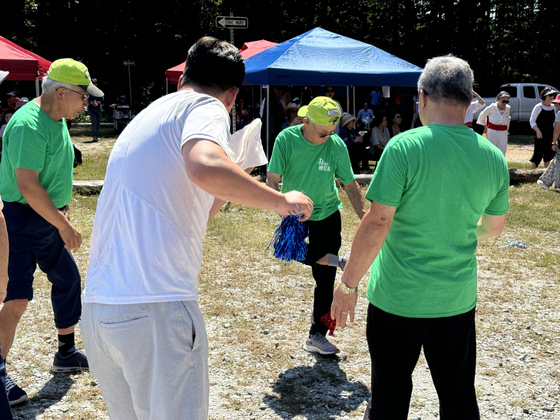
[209,167]
[369,239]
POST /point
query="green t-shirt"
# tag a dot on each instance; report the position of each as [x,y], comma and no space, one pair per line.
[33,140]
[312,168]
[441,179]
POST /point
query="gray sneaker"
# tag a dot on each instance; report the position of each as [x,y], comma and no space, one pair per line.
[318,343]
[543,185]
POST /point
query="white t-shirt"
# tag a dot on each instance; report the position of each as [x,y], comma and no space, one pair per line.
[146,243]
[473,107]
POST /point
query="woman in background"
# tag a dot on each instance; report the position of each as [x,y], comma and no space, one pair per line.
[395,127]
[552,173]
[379,136]
[495,118]
[542,121]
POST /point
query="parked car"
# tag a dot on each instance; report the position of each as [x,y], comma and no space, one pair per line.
[523,98]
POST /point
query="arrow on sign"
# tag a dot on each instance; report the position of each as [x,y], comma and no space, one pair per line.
[232,22]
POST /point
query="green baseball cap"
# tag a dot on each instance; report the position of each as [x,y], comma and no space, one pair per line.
[73,72]
[323,111]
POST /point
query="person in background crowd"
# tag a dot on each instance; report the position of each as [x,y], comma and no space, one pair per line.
[272,123]
[36,187]
[94,111]
[365,115]
[4,120]
[291,112]
[542,121]
[375,99]
[395,127]
[354,141]
[380,136]
[552,173]
[419,238]
[12,100]
[495,118]
[286,97]
[21,103]
[476,104]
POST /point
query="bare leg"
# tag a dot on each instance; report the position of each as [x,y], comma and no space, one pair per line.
[533,166]
[321,261]
[10,315]
[65,331]
[546,164]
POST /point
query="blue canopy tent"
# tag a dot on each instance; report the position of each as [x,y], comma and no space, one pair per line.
[320,57]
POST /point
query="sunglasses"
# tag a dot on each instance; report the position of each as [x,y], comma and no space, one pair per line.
[505,102]
[322,136]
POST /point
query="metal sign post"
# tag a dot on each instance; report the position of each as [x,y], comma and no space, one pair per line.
[129,63]
[232,22]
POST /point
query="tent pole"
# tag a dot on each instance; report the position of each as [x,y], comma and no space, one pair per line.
[166,85]
[37,86]
[267,123]
[354,98]
[348,99]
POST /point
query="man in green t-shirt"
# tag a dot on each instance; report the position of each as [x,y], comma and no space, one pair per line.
[308,158]
[36,187]
[437,191]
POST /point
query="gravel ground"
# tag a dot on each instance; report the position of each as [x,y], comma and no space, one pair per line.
[258,369]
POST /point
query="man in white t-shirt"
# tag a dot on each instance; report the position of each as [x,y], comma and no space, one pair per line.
[169,169]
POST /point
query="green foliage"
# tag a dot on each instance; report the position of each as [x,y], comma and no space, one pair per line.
[503,41]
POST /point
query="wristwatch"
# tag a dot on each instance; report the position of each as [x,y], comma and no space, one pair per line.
[345,289]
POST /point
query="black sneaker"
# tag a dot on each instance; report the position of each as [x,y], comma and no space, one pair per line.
[16,395]
[76,362]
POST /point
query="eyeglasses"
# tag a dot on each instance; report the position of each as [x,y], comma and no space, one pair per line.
[398,116]
[505,102]
[83,95]
[322,136]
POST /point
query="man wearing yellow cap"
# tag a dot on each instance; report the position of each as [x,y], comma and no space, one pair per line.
[308,157]
[36,187]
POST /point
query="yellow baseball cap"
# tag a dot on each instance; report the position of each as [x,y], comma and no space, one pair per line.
[323,111]
[73,72]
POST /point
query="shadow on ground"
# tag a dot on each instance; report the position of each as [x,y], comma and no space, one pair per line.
[321,390]
[50,394]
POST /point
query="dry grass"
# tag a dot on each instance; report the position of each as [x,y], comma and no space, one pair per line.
[257,311]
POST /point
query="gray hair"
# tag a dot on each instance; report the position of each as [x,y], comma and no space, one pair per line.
[50,85]
[502,94]
[447,79]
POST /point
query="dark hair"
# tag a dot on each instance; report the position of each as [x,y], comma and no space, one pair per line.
[213,65]
[545,91]
[3,116]
[378,119]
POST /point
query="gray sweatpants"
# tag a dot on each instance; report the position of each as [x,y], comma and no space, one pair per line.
[151,359]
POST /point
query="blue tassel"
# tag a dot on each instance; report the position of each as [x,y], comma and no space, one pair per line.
[289,239]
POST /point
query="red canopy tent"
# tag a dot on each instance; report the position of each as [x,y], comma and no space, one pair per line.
[248,49]
[21,63]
